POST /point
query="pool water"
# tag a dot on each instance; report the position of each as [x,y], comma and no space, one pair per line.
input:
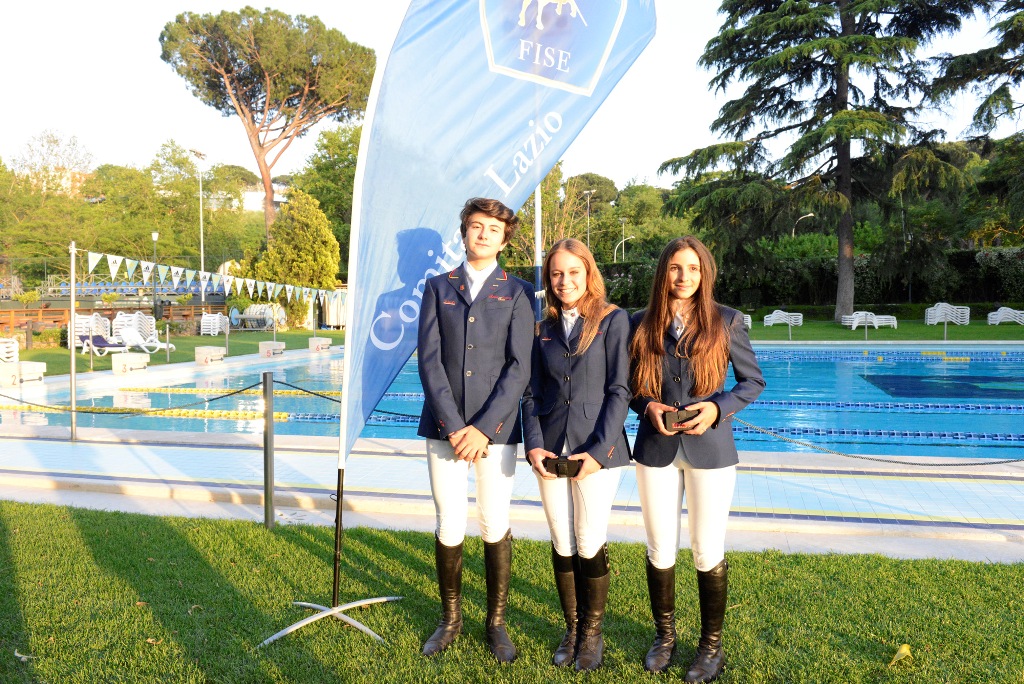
[960,403]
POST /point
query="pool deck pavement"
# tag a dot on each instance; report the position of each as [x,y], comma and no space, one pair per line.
[793,502]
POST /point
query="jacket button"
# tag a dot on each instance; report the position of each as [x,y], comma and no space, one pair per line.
[469,373]
[675,379]
[566,378]
[676,404]
[469,347]
[472,319]
[566,402]
[566,354]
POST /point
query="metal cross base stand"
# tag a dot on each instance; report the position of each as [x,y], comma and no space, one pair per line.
[337,612]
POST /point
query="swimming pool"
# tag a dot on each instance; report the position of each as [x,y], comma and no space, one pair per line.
[963,402]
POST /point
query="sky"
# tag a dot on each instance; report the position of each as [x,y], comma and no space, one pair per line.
[93,71]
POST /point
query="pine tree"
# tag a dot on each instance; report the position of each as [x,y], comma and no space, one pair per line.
[823,80]
[994,72]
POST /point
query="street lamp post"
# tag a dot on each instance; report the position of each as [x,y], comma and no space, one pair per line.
[808,215]
[623,243]
[202,257]
[588,193]
[622,222]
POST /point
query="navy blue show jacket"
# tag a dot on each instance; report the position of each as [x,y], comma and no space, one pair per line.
[583,399]
[716,447]
[474,356]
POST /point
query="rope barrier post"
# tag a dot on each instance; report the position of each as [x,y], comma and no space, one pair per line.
[227,334]
[71,350]
[167,341]
[268,450]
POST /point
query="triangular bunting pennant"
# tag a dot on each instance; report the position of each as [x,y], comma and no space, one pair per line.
[277,289]
[260,285]
[215,279]
[250,284]
[94,258]
[239,283]
[131,265]
[176,272]
[288,289]
[270,289]
[204,279]
[323,295]
[115,265]
[147,270]
[190,276]
[161,272]
[228,282]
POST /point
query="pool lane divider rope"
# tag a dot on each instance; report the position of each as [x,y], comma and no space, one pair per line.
[888,406]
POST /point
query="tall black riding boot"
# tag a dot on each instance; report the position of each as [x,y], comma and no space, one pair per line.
[565,581]
[712,587]
[449,582]
[661,585]
[590,650]
[498,566]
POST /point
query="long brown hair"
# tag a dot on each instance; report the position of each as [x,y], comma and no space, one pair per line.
[705,340]
[592,306]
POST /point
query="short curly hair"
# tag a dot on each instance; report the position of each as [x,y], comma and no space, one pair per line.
[493,208]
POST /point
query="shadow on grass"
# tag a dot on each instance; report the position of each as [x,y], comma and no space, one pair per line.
[198,617]
[13,632]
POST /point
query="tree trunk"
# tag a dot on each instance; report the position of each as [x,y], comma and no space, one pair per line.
[268,197]
[844,289]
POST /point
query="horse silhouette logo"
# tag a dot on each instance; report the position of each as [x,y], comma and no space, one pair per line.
[574,11]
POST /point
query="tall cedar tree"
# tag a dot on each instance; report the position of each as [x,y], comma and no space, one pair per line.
[993,72]
[279,75]
[819,75]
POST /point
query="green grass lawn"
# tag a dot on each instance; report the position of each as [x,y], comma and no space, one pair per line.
[113,597]
[58,361]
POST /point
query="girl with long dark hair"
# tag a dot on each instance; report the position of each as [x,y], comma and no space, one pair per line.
[681,346]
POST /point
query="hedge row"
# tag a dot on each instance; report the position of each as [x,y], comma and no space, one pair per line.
[989,275]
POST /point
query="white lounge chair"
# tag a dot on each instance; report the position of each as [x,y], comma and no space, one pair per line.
[100,345]
[947,313]
[213,324]
[134,340]
[1005,314]
[90,325]
[866,318]
[781,317]
[8,350]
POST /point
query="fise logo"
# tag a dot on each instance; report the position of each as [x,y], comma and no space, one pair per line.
[558,43]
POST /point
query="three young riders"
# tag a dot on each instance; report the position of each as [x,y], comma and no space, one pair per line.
[476,350]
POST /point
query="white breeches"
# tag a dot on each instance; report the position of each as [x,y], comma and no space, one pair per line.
[708,499]
[578,512]
[449,485]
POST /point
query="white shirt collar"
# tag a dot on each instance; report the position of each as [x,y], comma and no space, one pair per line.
[478,278]
[569,317]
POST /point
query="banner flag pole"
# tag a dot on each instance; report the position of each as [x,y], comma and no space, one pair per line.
[499,93]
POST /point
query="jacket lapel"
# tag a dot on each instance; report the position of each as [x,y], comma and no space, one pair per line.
[577,328]
[458,281]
